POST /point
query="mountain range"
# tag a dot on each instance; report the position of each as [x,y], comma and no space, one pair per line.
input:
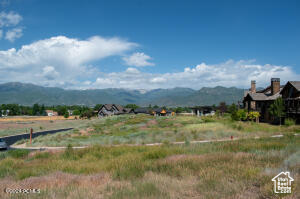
[29,94]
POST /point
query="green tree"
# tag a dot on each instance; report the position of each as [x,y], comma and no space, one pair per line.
[277,109]
[35,109]
[76,112]
[233,112]
[66,115]
[97,107]
[61,110]
[86,114]
[241,114]
[133,106]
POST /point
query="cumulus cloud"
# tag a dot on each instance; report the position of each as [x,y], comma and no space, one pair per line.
[230,73]
[138,59]
[9,19]
[68,63]
[59,55]
[13,34]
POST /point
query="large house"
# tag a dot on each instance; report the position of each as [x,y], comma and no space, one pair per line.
[113,109]
[291,96]
[261,100]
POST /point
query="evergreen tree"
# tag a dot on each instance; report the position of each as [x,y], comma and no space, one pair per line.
[277,109]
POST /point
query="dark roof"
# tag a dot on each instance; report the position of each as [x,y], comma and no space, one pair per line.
[109,107]
[127,110]
[142,110]
[264,96]
[296,84]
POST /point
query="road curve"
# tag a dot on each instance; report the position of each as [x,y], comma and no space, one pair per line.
[14,138]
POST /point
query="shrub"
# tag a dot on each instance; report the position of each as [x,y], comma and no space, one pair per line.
[66,115]
[289,122]
[241,114]
[155,154]
[19,153]
[43,155]
[253,115]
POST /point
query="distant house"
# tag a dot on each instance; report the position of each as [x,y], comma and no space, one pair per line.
[51,113]
[70,112]
[203,110]
[4,113]
[161,112]
[291,96]
[142,110]
[261,100]
[113,109]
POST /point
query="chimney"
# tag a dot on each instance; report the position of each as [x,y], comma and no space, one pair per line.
[253,86]
[275,85]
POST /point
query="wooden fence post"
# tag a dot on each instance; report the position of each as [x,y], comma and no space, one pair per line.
[31,130]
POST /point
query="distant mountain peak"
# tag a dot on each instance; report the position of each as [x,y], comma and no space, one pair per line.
[28,94]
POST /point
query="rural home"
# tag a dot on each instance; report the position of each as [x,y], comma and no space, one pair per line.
[155,111]
[291,96]
[142,110]
[113,109]
[162,112]
[261,100]
[51,113]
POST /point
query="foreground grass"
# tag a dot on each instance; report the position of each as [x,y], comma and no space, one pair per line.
[142,129]
[237,169]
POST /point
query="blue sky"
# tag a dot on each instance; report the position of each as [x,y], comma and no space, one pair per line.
[149,44]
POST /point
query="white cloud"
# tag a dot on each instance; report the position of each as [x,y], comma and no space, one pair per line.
[61,55]
[9,19]
[138,59]
[230,73]
[13,34]
[132,70]
[50,73]
[66,62]
[158,80]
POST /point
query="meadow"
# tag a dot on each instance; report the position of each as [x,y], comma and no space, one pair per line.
[232,169]
[144,129]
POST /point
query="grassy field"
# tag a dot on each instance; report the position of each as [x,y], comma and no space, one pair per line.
[143,129]
[18,125]
[234,169]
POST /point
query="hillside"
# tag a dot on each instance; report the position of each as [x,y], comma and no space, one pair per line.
[28,94]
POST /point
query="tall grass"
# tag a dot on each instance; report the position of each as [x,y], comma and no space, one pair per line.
[210,170]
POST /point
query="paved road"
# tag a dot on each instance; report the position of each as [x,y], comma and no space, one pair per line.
[14,138]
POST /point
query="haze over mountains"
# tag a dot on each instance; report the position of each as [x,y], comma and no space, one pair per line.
[29,94]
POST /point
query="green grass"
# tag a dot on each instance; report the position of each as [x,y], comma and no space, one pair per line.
[142,129]
[210,170]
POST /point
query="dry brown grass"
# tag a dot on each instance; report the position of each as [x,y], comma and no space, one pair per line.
[34,118]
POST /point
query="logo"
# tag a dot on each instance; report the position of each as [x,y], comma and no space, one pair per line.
[283,183]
